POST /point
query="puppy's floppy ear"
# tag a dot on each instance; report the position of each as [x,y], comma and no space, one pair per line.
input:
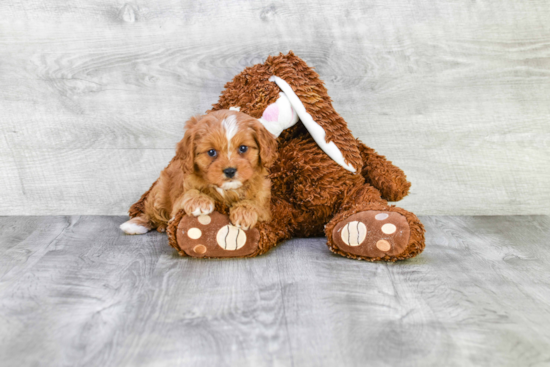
[185,149]
[267,144]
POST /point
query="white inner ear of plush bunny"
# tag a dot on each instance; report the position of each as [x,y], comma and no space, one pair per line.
[284,113]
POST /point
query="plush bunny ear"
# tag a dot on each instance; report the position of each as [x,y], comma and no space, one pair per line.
[316,131]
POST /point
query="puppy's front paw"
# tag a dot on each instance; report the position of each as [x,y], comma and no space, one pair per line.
[243,217]
[199,205]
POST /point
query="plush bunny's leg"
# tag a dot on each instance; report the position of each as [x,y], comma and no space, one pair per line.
[368,228]
[213,236]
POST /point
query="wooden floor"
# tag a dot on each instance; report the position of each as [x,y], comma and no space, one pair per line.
[75,291]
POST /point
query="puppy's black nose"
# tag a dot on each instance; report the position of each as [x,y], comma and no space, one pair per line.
[230,172]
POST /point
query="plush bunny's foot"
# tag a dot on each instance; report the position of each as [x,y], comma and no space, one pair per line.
[373,235]
[212,235]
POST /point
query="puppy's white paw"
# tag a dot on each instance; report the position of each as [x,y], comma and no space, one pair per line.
[196,205]
[203,210]
[132,228]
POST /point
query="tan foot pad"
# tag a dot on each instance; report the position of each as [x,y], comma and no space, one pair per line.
[213,235]
[372,234]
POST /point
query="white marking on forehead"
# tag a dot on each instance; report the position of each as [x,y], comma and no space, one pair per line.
[231,128]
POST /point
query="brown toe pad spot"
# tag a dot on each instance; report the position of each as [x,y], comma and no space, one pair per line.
[199,249]
[372,234]
[213,235]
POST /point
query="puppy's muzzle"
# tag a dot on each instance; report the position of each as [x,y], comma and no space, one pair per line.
[230,172]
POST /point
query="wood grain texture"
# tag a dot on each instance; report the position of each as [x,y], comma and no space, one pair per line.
[93,95]
[75,291]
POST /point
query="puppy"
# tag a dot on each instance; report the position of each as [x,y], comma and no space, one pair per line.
[223,157]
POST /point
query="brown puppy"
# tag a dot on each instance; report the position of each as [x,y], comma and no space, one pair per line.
[222,157]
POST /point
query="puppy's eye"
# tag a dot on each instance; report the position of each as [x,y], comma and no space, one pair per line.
[212,153]
[243,149]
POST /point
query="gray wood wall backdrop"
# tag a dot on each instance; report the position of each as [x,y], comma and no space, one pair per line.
[93,94]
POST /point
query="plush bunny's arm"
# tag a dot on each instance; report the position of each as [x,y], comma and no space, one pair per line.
[381,173]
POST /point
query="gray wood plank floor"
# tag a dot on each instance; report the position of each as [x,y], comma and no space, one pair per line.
[74,291]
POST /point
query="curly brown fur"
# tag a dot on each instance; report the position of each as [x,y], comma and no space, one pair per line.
[171,231]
